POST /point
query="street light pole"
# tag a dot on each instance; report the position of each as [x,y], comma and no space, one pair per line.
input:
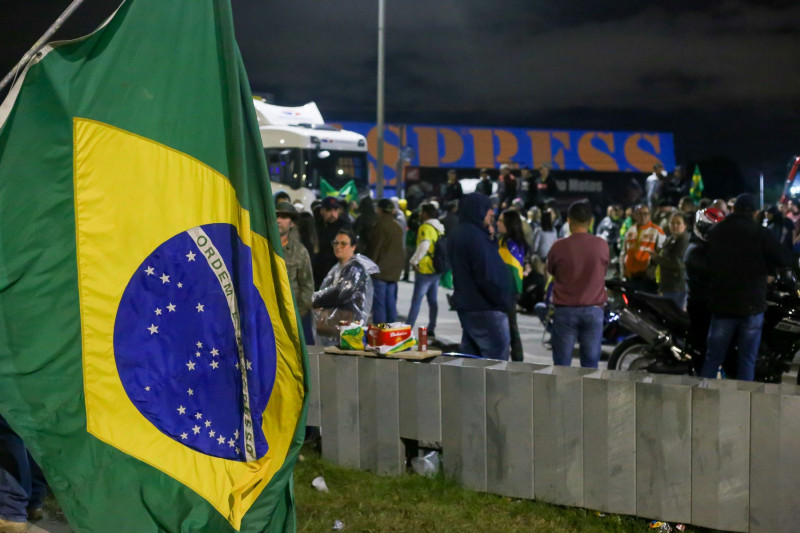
[379,125]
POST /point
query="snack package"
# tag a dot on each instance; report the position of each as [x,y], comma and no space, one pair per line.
[351,336]
[406,344]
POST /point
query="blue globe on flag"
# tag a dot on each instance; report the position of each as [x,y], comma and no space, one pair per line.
[194,344]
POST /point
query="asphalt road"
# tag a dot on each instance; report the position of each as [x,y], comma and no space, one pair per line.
[448,328]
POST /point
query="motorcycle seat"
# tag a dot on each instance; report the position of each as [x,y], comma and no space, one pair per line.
[666,308]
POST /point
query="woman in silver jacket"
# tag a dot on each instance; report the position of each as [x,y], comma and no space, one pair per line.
[346,291]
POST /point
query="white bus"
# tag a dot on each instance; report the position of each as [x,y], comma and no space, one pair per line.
[302,150]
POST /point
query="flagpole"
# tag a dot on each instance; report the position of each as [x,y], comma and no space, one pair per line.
[379,126]
[761,189]
[40,43]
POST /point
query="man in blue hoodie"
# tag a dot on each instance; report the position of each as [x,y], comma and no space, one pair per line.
[482,289]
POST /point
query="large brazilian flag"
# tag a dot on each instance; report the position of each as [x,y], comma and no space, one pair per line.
[149,347]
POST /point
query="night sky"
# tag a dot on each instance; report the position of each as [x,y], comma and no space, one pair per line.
[722,76]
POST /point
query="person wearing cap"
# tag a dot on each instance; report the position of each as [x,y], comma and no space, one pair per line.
[484,186]
[298,266]
[452,190]
[740,254]
[281,196]
[328,225]
[508,183]
[387,251]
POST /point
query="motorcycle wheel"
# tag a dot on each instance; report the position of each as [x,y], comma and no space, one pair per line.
[630,354]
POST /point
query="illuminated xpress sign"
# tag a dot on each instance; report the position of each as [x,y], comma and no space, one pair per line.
[476,147]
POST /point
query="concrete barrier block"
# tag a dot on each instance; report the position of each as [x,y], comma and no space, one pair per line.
[664,447]
[609,441]
[464,421]
[558,435]
[381,450]
[721,454]
[509,429]
[313,415]
[421,399]
[339,402]
[775,459]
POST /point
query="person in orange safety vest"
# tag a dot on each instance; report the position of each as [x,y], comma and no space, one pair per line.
[642,238]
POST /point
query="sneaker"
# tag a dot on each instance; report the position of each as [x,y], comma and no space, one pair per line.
[7,526]
[35,513]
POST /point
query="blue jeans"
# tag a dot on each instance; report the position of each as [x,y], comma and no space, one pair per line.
[308,327]
[678,297]
[384,301]
[425,285]
[584,324]
[22,484]
[747,331]
[485,333]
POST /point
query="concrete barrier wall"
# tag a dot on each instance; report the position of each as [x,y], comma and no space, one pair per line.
[717,454]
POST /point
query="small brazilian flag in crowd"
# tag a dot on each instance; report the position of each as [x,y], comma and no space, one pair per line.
[349,191]
[696,190]
[149,351]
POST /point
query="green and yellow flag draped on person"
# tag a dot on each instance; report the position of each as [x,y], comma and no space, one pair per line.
[150,354]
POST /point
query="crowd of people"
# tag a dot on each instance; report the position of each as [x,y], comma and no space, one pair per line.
[712,258]
[511,233]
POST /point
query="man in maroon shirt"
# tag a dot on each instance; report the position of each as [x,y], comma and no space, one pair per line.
[578,265]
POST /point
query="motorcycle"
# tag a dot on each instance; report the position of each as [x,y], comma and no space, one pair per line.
[660,344]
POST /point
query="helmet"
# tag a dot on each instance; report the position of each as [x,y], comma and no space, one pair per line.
[706,218]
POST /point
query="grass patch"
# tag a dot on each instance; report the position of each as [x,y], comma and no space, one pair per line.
[365,502]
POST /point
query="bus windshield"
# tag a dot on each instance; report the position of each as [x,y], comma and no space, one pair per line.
[300,168]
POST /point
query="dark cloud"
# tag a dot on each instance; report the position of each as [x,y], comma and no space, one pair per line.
[723,76]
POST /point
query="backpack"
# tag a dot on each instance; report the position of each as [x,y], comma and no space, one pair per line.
[440,259]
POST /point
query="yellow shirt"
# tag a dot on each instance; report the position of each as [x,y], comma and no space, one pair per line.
[427,233]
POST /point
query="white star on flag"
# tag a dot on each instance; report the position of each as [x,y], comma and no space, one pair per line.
[208,423]
[180,285]
[199,307]
[181,410]
[164,279]
[153,329]
[147,389]
[199,344]
[198,415]
[230,443]
[171,307]
[190,365]
[197,354]
[191,392]
[196,430]
[249,365]
[236,434]
[158,311]
[190,256]
[214,352]
[150,271]
[184,436]
[214,365]
[212,433]
[221,440]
